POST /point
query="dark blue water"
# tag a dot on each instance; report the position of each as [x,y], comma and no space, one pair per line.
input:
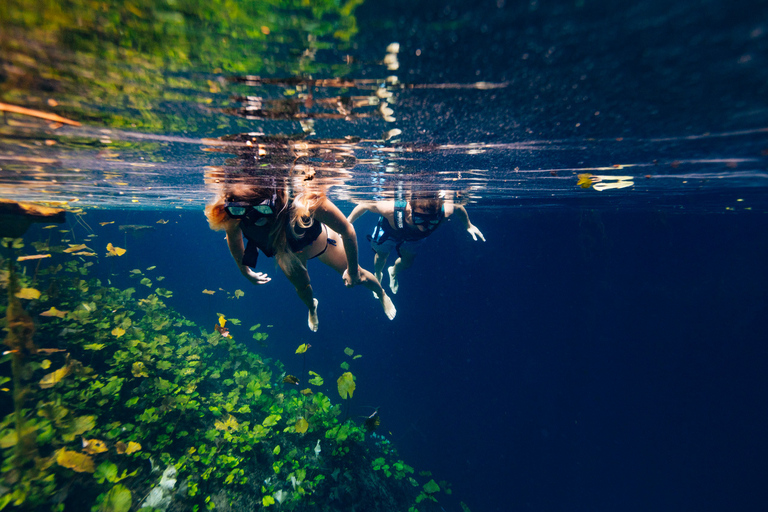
[578,360]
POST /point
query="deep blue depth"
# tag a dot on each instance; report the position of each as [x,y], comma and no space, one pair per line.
[577,360]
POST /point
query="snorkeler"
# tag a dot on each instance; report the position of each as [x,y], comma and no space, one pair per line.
[404,224]
[293,231]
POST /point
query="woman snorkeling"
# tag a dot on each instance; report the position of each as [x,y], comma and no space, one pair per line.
[293,230]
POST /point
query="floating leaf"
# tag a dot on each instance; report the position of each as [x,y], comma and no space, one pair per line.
[349,351]
[51,379]
[346,385]
[75,248]
[28,294]
[303,348]
[301,426]
[94,446]
[54,312]
[291,379]
[584,180]
[208,292]
[79,462]
[239,293]
[118,331]
[115,251]
[33,257]
[317,380]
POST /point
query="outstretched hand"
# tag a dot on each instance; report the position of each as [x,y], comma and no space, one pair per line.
[351,280]
[472,230]
[257,278]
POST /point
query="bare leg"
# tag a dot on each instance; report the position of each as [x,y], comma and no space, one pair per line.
[299,277]
[379,262]
[402,263]
[373,284]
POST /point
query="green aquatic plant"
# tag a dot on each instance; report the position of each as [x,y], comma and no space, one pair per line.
[126,386]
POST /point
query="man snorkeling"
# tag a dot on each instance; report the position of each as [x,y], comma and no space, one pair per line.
[404,224]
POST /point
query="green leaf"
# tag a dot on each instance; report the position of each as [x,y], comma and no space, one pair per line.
[317,380]
[106,471]
[346,385]
[349,351]
[431,487]
[146,281]
[118,499]
[344,365]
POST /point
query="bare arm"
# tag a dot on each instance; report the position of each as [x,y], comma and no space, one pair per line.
[331,216]
[237,249]
[461,213]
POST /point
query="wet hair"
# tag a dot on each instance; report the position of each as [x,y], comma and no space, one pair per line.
[426,201]
[290,213]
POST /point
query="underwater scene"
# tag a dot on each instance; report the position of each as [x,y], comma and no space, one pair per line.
[395,256]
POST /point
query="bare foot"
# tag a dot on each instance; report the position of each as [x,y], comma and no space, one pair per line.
[389,308]
[393,284]
[312,320]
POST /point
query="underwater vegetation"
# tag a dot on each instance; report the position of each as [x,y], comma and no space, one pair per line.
[112,401]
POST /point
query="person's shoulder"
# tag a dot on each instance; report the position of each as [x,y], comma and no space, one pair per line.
[384,208]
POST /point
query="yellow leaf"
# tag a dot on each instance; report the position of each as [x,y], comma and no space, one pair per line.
[75,248]
[132,447]
[229,425]
[222,321]
[79,462]
[585,180]
[45,364]
[54,312]
[346,385]
[118,331]
[139,370]
[33,257]
[94,446]
[28,293]
[302,348]
[50,380]
[115,251]
[301,426]
[105,223]
[208,292]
